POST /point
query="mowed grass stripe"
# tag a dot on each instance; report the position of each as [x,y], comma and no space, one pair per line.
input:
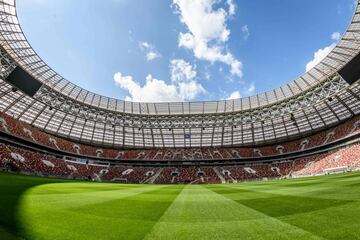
[70,195]
[199,213]
[307,208]
[125,216]
[280,204]
[329,187]
[331,218]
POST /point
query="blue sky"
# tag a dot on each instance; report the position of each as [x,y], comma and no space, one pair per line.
[181,50]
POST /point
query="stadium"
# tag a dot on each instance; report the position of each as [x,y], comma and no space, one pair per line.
[281,164]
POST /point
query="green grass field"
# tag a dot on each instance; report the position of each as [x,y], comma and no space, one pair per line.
[325,207]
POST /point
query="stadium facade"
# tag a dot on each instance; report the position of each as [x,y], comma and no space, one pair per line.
[271,134]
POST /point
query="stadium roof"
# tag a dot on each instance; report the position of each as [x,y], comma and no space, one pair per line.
[318,99]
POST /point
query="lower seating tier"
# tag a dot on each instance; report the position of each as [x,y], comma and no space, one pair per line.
[18,159]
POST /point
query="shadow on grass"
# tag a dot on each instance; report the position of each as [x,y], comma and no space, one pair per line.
[150,206]
[12,187]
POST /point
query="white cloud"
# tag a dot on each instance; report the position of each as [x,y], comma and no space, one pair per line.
[320,54]
[207,31]
[234,95]
[144,45]
[251,89]
[154,90]
[336,36]
[232,7]
[246,91]
[246,32]
[202,20]
[181,71]
[184,86]
[183,75]
[152,55]
[149,49]
[189,90]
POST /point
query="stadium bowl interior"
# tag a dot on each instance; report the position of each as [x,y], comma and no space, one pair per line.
[54,129]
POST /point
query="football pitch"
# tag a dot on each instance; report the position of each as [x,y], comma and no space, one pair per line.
[326,207]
